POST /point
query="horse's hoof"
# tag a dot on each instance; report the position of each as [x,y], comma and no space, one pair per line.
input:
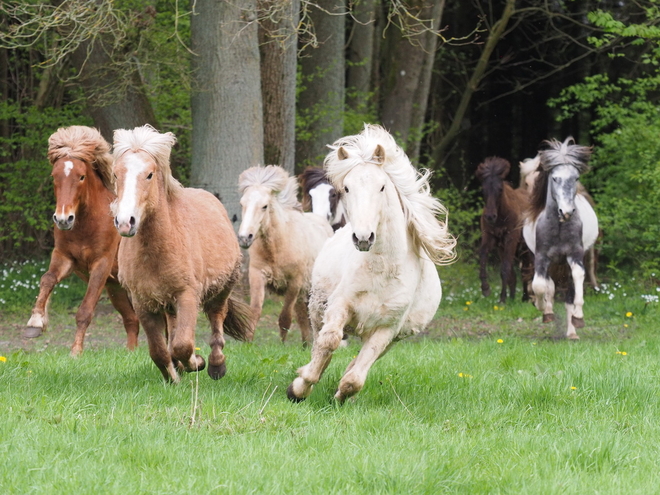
[217,372]
[577,322]
[200,367]
[549,317]
[485,292]
[291,396]
[573,336]
[32,333]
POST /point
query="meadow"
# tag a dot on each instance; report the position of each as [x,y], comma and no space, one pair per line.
[489,400]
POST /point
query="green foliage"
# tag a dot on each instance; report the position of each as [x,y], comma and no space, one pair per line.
[625,180]
[26,194]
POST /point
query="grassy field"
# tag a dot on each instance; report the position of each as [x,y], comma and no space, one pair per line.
[488,401]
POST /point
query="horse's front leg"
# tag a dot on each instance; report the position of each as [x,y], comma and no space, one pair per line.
[375,346]
[302,315]
[98,275]
[507,271]
[217,310]
[325,343]
[284,321]
[182,337]
[154,328]
[120,300]
[544,288]
[60,267]
[257,294]
[487,243]
[577,314]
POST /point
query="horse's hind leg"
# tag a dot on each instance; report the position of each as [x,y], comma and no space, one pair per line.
[60,267]
[121,302]
[487,243]
[154,328]
[182,337]
[577,272]
[216,310]
[284,321]
[375,346]
[302,315]
[325,343]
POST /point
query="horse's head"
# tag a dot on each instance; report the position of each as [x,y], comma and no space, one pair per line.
[562,186]
[368,191]
[70,177]
[136,180]
[256,201]
[324,201]
[491,173]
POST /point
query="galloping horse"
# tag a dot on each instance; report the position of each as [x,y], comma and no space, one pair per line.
[179,253]
[561,226]
[501,225]
[321,197]
[283,242]
[376,277]
[85,240]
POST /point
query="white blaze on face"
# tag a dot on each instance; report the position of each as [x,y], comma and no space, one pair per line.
[127,206]
[321,200]
[68,166]
[565,188]
[252,203]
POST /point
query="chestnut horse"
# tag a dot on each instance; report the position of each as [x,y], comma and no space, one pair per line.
[501,226]
[321,197]
[283,242]
[85,240]
[179,254]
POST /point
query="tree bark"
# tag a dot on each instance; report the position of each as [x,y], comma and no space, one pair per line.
[360,53]
[227,110]
[278,49]
[408,72]
[321,99]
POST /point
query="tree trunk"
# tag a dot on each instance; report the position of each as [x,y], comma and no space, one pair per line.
[321,99]
[227,111]
[278,49]
[360,54]
[408,72]
[115,100]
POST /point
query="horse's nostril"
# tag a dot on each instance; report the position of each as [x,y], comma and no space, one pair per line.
[132,221]
[70,219]
[355,239]
[371,238]
[54,218]
[116,223]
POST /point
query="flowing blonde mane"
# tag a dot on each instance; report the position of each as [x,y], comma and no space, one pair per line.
[82,143]
[276,179]
[419,206]
[157,145]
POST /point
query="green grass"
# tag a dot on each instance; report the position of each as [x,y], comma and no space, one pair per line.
[454,411]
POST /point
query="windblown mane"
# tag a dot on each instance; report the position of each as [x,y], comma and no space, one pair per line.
[555,155]
[493,166]
[276,179]
[420,208]
[157,145]
[82,143]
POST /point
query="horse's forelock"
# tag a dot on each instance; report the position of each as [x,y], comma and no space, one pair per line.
[149,140]
[276,179]
[565,153]
[493,166]
[82,143]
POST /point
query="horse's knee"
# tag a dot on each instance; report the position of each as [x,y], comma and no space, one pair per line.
[84,318]
[328,340]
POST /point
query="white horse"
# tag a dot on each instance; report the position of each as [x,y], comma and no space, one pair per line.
[283,242]
[562,225]
[376,277]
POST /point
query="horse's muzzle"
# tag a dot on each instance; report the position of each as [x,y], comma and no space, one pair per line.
[362,244]
[64,223]
[126,229]
[245,241]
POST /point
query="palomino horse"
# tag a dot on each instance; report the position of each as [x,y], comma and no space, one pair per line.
[501,225]
[376,277]
[283,242]
[179,254]
[321,197]
[85,240]
[561,226]
[528,175]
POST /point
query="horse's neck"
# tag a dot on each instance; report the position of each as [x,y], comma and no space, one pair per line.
[158,228]
[273,230]
[392,237]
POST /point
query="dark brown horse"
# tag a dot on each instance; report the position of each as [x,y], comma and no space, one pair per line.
[321,197]
[501,225]
[86,241]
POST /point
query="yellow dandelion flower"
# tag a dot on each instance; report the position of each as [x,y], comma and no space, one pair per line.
[467,303]
[628,314]
[625,325]
[460,375]
[573,388]
[496,308]
[500,341]
[624,353]
[465,308]
[464,375]
[197,348]
[3,359]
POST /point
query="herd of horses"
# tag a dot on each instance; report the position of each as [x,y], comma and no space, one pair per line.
[357,257]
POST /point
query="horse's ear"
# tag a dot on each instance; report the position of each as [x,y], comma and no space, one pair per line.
[341,153]
[379,154]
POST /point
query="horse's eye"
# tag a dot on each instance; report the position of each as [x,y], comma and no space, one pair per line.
[556,179]
[346,189]
[114,176]
[382,188]
[150,176]
[264,207]
[82,178]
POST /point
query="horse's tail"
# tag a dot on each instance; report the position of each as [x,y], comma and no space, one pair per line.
[239,322]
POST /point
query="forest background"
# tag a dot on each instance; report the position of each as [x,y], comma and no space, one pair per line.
[252,82]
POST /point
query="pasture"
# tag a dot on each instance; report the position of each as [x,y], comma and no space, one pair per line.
[489,400]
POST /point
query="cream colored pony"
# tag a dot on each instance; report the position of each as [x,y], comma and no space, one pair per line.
[376,277]
[283,242]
